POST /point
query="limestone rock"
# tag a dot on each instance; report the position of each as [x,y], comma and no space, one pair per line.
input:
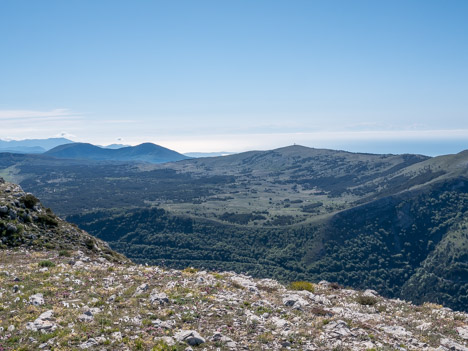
[141,289]
[36,299]
[190,337]
[158,298]
[452,345]
[294,301]
[44,323]
[463,332]
[90,343]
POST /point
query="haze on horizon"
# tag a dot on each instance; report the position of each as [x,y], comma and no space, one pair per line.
[237,75]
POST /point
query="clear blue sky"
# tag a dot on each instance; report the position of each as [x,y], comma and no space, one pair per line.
[236,75]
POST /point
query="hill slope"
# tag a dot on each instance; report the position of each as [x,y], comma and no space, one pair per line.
[146,152]
[24,222]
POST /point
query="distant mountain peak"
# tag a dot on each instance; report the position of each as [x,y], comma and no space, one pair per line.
[146,152]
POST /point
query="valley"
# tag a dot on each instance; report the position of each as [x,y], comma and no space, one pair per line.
[394,223]
[62,289]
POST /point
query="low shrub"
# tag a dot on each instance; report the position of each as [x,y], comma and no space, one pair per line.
[46,263]
[302,285]
[190,270]
[64,253]
[29,200]
[47,220]
[366,300]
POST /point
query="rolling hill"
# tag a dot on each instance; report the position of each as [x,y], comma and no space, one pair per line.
[146,152]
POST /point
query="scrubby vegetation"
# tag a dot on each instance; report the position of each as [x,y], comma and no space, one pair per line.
[366,300]
[302,285]
[29,200]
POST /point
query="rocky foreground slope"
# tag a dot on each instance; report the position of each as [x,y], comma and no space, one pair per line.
[60,289]
[25,222]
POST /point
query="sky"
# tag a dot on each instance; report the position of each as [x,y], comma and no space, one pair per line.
[236,75]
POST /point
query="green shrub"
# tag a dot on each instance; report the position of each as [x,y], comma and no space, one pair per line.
[162,346]
[89,243]
[302,285]
[190,270]
[139,344]
[49,246]
[47,220]
[29,200]
[64,253]
[366,300]
[46,263]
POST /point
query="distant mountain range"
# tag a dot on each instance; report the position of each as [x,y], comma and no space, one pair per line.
[155,154]
[31,146]
[146,152]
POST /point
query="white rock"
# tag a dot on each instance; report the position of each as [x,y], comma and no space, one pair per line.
[370,293]
[44,323]
[117,336]
[191,337]
[163,324]
[86,317]
[463,332]
[337,328]
[316,298]
[100,339]
[141,289]
[36,300]
[424,326]
[89,344]
[245,282]
[452,345]
[253,319]
[270,284]
[396,330]
[294,301]
[158,298]
[279,322]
